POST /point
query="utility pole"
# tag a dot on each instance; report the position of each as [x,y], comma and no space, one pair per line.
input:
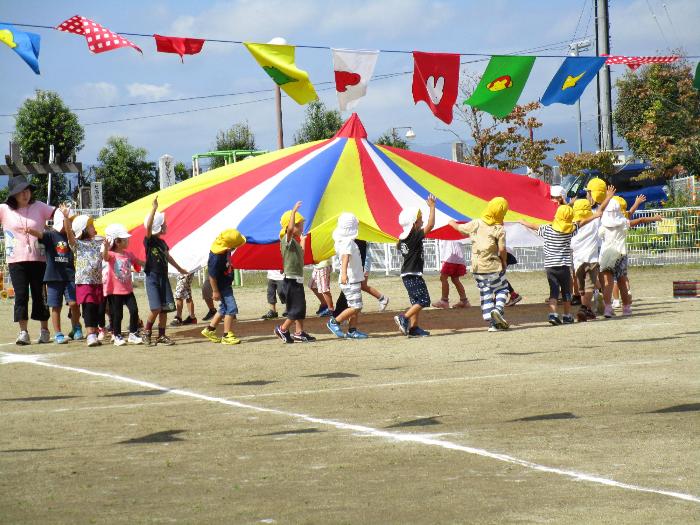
[602,47]
[278,110]
[576,48]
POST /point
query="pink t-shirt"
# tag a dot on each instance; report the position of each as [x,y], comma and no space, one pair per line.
[117,278]
[20,246]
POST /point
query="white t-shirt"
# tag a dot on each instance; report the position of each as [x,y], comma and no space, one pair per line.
[614,238]
[586,245]
[452,252]
[356,273]
[275,275]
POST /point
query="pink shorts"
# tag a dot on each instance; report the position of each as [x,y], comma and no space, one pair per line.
[321,279]
[89,293]
[453,269]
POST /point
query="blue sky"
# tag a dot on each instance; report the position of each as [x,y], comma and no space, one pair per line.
[638,27]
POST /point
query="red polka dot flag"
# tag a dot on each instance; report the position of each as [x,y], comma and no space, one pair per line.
[99,39]
[635,62]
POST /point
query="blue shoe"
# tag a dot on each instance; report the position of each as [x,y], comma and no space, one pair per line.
[402,322]
[554,319]
[417,331]
[325,312]
[59,339]
[356,334]
[335,328]
[76,333]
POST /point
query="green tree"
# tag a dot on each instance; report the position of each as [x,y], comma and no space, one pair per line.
[125,173]
[42,121]
[393,139]
[239,136]
[181,172]
[572,163]
[319,124]
[658,114]
[506,143]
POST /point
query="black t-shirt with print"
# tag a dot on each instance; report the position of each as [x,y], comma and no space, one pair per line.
[59,257]
[412,250]
[156,255]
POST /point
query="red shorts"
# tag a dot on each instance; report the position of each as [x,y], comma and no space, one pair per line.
[453,269]
[88,293]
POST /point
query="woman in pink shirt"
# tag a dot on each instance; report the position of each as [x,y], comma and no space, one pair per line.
[26,258]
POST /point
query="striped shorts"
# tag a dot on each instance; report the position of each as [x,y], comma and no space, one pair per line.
[353,294]
[493,292]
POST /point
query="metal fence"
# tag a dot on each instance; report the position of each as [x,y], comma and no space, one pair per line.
[673,240]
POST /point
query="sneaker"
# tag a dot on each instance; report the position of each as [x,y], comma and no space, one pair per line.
[189,320]
[514,299]
[383,303]
[134,339]
[271,314]
[463,303]
[608,312]
[164,340]
[146,339]
[335,328]
[616,304]
[176,322]
[119,341]
[92,340]
[210,314]
[582,315]
[230,339]
[23,338]
[626,309]
[44,337]
[326,312]
[101,335]
[554,319]
[576,300]
[492,328]
[303,337]
[285,336]
[60,339]
[356,334]
[402,322]
[441,304]
[321,308]
[568,319]
[77,332]
[211,335]
[499,320]
[417,331]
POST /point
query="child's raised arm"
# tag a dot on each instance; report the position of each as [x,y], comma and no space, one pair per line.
[292,221]
[105,249]
[431,215]
[637,203]
[646,220]
[68,222]
[609,194]
[149,222]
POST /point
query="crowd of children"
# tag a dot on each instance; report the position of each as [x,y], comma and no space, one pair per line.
[584,244]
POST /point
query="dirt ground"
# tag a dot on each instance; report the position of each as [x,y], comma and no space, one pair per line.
[590,423]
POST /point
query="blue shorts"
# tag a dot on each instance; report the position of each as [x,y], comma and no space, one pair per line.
[56,291]
[228,305]
[159,292]
[417,290]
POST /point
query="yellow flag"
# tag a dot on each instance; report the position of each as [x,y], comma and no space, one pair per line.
[278,62]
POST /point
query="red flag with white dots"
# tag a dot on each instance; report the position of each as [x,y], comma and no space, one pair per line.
[99,39]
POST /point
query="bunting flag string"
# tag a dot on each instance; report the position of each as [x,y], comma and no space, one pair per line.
[99,39]
[26,45]
[635,62]
[178,45]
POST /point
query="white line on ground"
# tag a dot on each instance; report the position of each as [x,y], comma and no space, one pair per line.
[390,436]
[91,408]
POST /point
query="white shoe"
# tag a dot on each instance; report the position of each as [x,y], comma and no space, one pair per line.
[92,340]
[101,335]
[616,304]
[23,338]
[383,303]
[45,337]
[134,339]
[119,341]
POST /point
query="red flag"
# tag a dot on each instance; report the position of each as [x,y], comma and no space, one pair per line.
[436,82]
[99,39]
[635,62]
[181,46]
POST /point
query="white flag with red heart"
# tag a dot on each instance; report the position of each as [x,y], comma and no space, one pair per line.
[353,70]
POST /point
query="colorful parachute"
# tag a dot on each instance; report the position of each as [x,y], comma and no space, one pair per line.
[345,173]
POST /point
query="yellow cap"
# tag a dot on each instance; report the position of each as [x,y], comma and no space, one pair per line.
[284,221]
[563,220]
[495,211]
[227,240]
[582,209]
[597,187]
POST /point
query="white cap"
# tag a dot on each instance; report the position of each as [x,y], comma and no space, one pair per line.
[79,224]
[158,221]
[407,218]
[613,216]
[557,191]
[58,220]
[116,231]
[347,227]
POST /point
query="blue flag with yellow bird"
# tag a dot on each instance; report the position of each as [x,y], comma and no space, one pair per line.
[571,80]
[26,45]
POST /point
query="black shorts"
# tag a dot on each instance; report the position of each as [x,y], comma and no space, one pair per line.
[559,279]
[294,298]
[417,290]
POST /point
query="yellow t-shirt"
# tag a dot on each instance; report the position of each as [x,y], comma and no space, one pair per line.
[487,241]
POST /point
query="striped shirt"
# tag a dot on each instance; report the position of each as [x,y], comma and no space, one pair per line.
[557,246]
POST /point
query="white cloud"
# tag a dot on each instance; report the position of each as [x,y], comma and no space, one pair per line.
[149,91]
[97,92]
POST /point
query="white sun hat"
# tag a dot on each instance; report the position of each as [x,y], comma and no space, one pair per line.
[407,218]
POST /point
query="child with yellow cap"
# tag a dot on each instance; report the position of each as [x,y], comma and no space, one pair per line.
[411,247]
[558,256]
[221,280]
[292,248]
[586,247]
[489,260]
[623,207]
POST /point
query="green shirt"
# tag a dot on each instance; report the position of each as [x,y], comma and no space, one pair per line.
[292,258]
